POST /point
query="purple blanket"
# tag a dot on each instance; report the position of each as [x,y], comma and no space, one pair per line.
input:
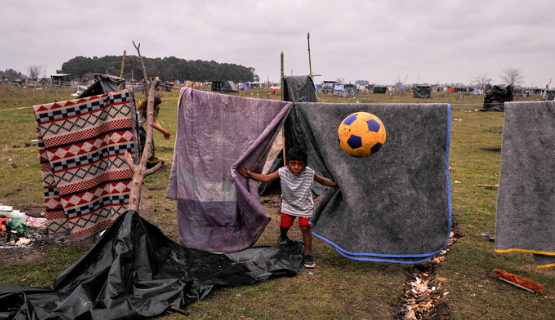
[218,209]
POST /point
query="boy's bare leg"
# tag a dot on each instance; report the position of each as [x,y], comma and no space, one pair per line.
[307,239]
[283,232]
[283,239]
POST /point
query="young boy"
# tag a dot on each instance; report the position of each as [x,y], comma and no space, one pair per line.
[296,198]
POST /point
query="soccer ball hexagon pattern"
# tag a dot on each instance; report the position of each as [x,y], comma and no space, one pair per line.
[361,134]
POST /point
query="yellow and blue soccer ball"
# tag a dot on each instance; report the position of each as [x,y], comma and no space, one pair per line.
[361,134]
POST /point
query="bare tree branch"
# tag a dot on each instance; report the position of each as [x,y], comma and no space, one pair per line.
[512,76]
[153,169]
[481,81]
[145,79]
[139,170]
[34,72]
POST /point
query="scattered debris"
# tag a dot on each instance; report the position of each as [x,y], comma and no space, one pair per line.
[422,297]
[15,225]
[490,237]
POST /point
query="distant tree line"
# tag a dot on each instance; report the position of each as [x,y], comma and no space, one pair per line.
[167,69]
[11,74]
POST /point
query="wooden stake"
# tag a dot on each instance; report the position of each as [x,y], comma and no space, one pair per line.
[122,66]
[309,61]
[282,99]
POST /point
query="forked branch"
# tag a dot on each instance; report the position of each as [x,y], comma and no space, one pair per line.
[140,170]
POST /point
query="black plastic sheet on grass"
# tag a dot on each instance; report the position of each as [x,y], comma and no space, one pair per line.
[135,272]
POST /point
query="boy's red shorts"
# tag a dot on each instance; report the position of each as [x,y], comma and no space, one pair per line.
[287,221]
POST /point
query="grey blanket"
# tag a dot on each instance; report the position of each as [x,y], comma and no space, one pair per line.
[393,206]
[525,218]
[218,210]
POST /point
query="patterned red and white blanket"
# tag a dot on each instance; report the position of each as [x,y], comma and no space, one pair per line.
[82,145]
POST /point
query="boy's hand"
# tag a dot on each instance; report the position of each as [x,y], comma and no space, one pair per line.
[244,172]
[167,135]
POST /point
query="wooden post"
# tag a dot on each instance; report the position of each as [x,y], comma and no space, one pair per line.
[54,83]
[309,61]
[122,66]
[282,99]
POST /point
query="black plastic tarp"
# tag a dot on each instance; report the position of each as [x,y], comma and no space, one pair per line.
[300,89]
[297,89]
[135,272]
[103,84]
[224,86]
[379,90]
[495,98]
[422,92]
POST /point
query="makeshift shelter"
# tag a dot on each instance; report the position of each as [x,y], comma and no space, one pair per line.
[224,87]
[495,98]
[338,90]
[328,86]
[167,86]
[351,91]
[18,82]
[380,90]
[80,90]
[104,83]
[422,92]
[61,80]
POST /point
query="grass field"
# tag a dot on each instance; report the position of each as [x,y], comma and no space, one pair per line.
[338,288]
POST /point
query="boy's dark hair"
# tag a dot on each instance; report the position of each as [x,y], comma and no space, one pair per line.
[143,106]
[297,153]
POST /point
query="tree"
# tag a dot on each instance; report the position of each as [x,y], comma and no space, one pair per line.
[481,81]
[34,72]
[10,74]
[512,76]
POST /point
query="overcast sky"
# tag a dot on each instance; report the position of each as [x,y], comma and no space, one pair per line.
[379,41]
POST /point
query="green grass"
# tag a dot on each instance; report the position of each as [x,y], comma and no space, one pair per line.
[338,287]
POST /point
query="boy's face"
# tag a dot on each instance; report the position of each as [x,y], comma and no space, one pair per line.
[296,166]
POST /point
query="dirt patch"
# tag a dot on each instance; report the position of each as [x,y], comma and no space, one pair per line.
[422,297]
[12,253]
[37,248]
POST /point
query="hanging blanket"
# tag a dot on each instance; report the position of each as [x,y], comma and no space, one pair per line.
[135,272]
[393,206]
[525,216]
[218,209]
[84,174]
